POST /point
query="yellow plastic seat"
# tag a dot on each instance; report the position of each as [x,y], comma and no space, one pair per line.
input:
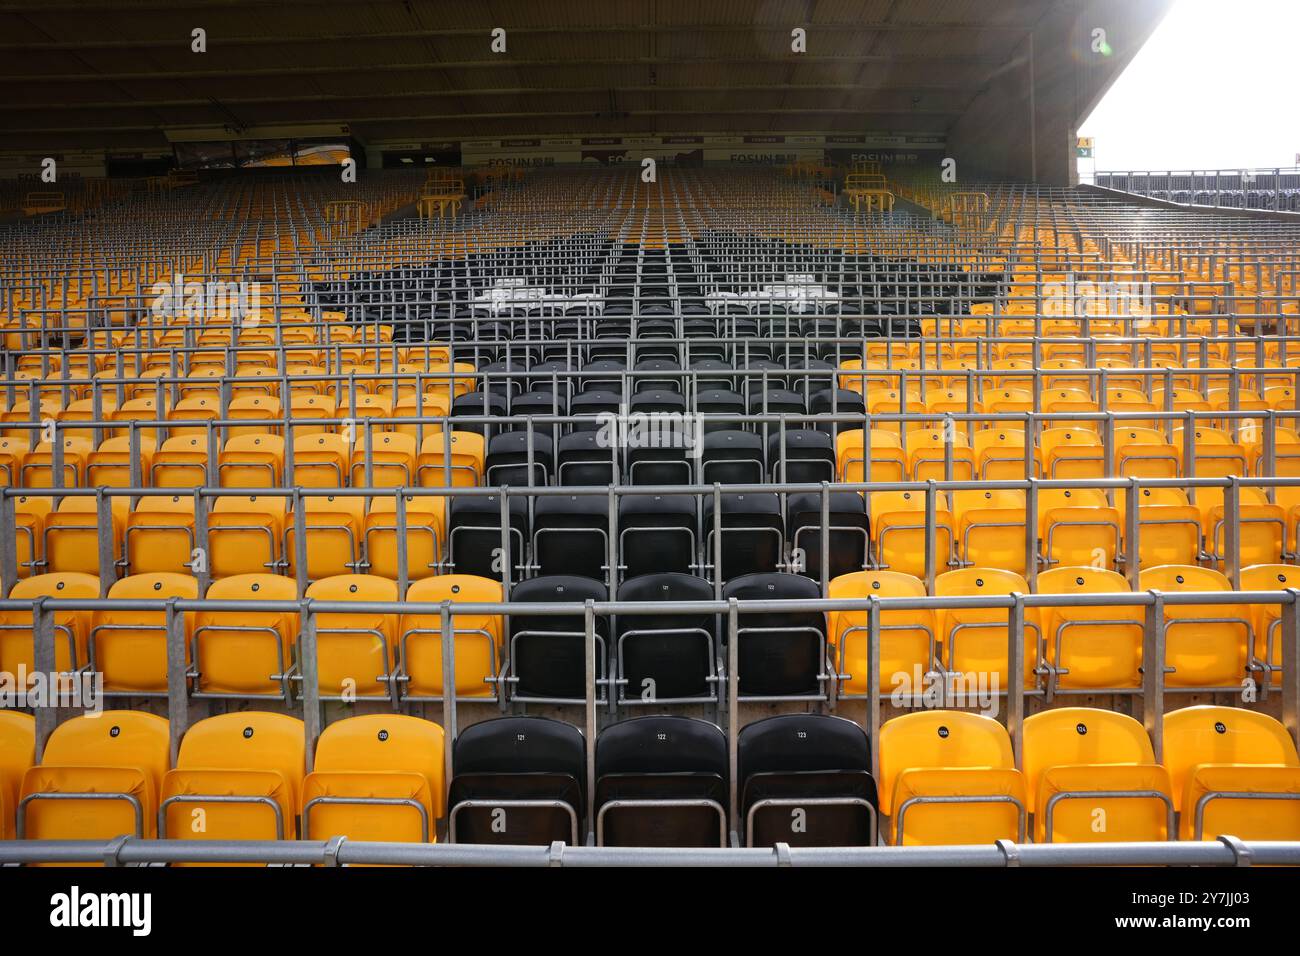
[320,460]
[427,406]
[1262,529]
[14,450]
[907,638]
[160,535]
[1207,644]
[898,532]
[253,460]
[1059,400]
[244,534]
[17,648]
[238,776]
[114,762]
[392,461]
[987,524]
[1074,757]
[1214,453]
[305,409]
[1266,619]
[194,408]
[31,513]
[1077,526]
[17,752]
[38,467]
[356,652]
[1072,453]
[465,463]
[245,653]
[478,638]
[335,526]
[1000,454]
[948,777]
[251,406]
[974,641]
[377,777]
[1144,453]
[1169,528]
[135,409]
[109,465]
[422,543]
[926,455]
[888,462]
[181,463]
[72,533]
[1234,772]
[130,647]
[1088,648]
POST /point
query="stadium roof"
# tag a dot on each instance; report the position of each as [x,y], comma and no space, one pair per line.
[117,73]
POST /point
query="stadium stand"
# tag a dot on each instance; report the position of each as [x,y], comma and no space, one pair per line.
[908,420]
[704,512]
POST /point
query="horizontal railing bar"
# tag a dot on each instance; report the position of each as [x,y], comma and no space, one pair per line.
[1226,851]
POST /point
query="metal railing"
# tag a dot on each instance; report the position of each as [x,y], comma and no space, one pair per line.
[1226,851]
[1276,189]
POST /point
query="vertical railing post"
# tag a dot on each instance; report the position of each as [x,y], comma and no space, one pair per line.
[589,671]
[1290,638]
[44,659]
[733,707]
[1016,674]
[311,714]
[1153,672]
[178,698]
[447,631]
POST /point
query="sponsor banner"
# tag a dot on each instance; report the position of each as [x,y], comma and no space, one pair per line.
[768,149]
[898,156]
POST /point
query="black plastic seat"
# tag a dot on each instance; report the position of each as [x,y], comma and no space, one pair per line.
[805,780]
[508,459]
[782,654]
[721,401]
[776,401]
[539,402]
[753,533]
[732,457]
[598,403]
[848,526]
[605,374]
[546,660]
[586,458]
[518,781]
[571,535]
[474,535]
[666,658]
[656,533]
[646,762]
[476,404]
[809,456]
[666,383]
[659,449]
[840,401]
[713,373]
[662,400]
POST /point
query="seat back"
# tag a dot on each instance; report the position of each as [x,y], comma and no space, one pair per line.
[376,777]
